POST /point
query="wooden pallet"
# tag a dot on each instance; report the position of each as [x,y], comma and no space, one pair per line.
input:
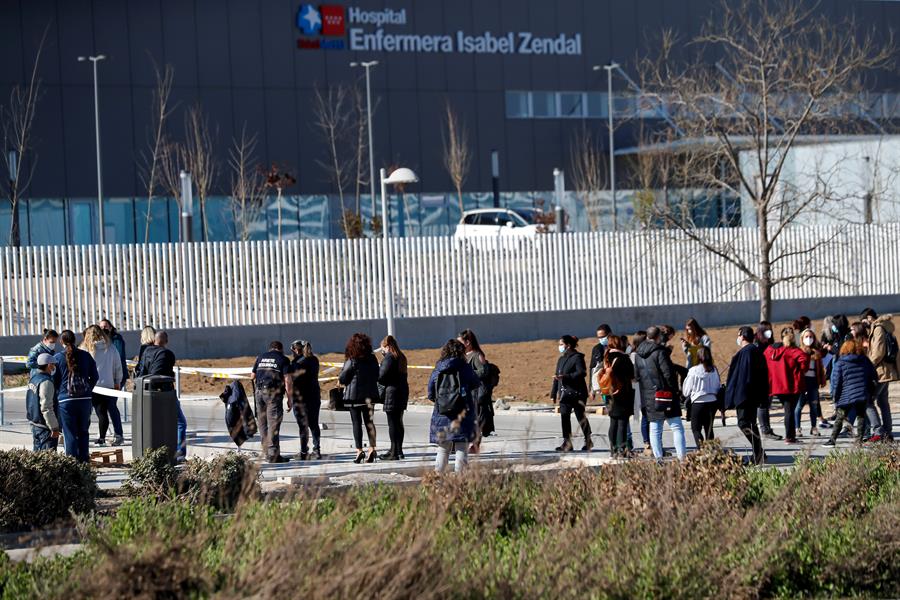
[108,457]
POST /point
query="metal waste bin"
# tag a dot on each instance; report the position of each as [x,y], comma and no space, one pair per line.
[154,413]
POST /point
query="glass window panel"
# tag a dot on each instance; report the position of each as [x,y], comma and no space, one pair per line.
[48,222]
[118,214]
[571,104]
[517,105]
[543,104]
[596,105]
[152,226]
[81,221]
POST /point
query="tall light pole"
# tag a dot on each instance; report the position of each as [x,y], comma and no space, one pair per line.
[612,144]
[367,66]
[95,60]
[401,175]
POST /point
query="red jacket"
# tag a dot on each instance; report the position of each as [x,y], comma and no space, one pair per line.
[787,365]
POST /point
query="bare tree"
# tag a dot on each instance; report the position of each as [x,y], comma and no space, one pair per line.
[589,167]
[362,146]
[199,158]
[457,153]
[784,76]
[150,169]
[16,121]
[279,177]
[333,121]
[248,184]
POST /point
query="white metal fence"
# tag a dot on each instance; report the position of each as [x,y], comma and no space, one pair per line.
[255,283]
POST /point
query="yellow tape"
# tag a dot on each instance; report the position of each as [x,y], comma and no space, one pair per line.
[331,364]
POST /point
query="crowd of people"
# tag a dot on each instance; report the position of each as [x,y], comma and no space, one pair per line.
[854,361]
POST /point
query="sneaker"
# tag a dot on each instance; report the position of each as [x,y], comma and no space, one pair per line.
[118,441]
[799,433]
[304,456]
[825,425]
[100,442]
[829,444]
[814,432]
[772,436]
[648,451]
[874,438]
[316,454]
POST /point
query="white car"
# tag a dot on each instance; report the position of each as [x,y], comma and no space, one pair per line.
[494,222]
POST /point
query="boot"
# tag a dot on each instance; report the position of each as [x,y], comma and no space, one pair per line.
[566,446]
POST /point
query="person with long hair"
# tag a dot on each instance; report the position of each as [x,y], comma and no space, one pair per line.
[452,388]
[786,365]
[695,337]
[306,398]
[853,382]
[47,345]
[118,342]
[110,375]
[702,387]
[394,383]
[74,380]
[484,405]
[570,390]
[618,372]
[148,339]
[813,379]
[359,376]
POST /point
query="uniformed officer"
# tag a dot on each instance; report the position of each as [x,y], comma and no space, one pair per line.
[271,380]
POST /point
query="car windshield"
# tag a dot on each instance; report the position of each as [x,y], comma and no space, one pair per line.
[529,215]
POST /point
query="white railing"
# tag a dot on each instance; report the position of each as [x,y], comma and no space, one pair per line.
[255,283]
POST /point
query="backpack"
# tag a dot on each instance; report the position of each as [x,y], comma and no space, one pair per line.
[491,375]
[451,397]
[892,350]
[79,386]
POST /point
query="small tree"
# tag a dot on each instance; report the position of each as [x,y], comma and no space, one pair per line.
[199,158]
[16,122]
[151,167]
[457,153]
[588,166]
[333,122]
[248,184]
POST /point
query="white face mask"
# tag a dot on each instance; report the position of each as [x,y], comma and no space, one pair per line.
[562,348]
[739,340]
[51,345]
[808,341]
[768,334]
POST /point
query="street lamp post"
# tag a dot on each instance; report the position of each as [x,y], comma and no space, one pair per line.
[368,65]
[401,175]
[612,144]
[95,60]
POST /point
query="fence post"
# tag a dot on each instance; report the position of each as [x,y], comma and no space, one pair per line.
[2,397]
[178,382]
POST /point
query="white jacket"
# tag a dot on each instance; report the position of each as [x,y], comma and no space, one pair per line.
[701,386]
[109,365]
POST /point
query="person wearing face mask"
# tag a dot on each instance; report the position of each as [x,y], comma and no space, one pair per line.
[813,379]
[394,383]
[883,352]
[762,340]
[570,390]
[660,392]
[305,399]
[42,405]
[786,364]
[747,388]
[598,353]
[694,338]
[47,345]
[484,404]
[118,342]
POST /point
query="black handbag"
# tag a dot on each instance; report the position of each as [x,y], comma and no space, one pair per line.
[336,399]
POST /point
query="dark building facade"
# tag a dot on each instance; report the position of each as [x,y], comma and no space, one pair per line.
[518,72]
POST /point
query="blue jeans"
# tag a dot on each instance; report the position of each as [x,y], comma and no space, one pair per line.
[75,419]
[677,428]
[645,426]
[182,432]
[810,397]
[42,439]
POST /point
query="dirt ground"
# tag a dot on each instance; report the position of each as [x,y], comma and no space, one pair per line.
[526,367]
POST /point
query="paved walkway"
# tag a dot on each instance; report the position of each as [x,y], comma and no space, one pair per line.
[525,434]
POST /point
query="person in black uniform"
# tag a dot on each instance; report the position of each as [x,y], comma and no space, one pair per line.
[271,379]
[306,399]
[570,390]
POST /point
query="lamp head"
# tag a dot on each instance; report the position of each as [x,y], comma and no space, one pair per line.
[402,175]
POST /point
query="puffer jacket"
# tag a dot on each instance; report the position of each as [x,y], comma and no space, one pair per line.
[462,428]
[359,376]
[878,347]
[853,380]
[787,366]
[31,359]
[654,371]
[395,384]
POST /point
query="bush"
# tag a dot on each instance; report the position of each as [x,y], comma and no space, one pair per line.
[220,482]
[41,488]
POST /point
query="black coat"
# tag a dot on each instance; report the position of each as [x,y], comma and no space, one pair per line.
[395,383]
[598,352]
[655,372]
[304,371]
[748,378]
[572,370]
[156,360]
[359,376]
[622,403]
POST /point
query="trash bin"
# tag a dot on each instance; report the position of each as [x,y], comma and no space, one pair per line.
[154,413]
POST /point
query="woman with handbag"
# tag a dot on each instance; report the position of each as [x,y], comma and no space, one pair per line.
[359,376]
[616,383]
[701,388]
[570,390]
[659,392]
[394,386]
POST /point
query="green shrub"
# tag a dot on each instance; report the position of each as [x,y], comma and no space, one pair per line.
[151,475]
[40,488]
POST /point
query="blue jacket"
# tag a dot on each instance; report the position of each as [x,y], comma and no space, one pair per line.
[459,430]
[118,343]
[31,359]
[853,380]
[87,369]
[748,378]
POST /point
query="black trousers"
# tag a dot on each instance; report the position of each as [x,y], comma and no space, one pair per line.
[762,414]
[746,415]
[360,415]
[98,401]
[396,430]
[618,434]
[789,402]
[486,415]
[307,415]
[702,417]
[269,414]
[565,412]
